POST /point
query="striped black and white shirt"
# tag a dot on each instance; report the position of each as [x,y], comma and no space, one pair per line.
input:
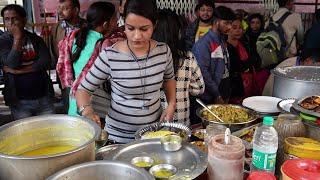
[135,88]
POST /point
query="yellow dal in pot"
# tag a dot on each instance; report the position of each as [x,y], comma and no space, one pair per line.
[51,150]
[44,141]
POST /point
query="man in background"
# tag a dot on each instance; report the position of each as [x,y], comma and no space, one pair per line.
[292,26]
[200,26]
[70,20]
[24,57]
[213,59]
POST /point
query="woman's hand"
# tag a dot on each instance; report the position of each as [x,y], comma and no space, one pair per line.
[167,114]
[90,114]
[94,117]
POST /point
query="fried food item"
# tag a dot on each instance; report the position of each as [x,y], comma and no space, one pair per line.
[200,145]
[310,103]
[200,133]
[247,135]
[309,106]
[317,100]
[228,114]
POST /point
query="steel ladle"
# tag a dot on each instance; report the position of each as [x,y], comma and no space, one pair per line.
[203,105]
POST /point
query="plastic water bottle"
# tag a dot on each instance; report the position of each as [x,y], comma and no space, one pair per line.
[265,145]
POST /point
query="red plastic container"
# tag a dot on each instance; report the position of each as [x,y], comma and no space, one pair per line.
[259,175]
[301,169]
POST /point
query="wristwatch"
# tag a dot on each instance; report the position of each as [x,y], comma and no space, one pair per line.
[82,108]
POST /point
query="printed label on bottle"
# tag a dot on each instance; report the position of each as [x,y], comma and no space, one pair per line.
[264,161]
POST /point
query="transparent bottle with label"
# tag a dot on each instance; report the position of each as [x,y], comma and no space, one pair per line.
[265,146]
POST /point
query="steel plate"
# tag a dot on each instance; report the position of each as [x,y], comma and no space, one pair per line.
[286,104]
[174,127]
[252,114]
[189,160]
[296,106]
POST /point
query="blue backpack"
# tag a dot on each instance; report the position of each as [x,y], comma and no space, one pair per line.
[271,44]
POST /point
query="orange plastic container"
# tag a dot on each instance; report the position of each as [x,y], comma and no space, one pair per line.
[297,169]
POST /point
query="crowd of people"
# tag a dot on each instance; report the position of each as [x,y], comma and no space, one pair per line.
[147,65]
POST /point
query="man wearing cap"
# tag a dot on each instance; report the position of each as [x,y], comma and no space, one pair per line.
[213,58]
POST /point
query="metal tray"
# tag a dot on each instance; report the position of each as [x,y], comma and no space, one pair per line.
[296,106]
[174,127]
[253,114]
[104,151]
[189,160]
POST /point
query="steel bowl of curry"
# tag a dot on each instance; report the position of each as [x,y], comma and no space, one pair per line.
[37,147]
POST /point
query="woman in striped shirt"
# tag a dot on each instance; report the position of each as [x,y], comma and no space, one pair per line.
[136,68]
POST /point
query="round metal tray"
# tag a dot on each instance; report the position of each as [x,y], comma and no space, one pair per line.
[252,114]
[189,160]
[104,151]
[102,170]
[174,127]
[296,106]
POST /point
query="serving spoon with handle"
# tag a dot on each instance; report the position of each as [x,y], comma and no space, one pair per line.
[203,105]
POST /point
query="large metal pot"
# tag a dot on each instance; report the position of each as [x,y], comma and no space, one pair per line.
[296,82]
[111,170]
[44,131]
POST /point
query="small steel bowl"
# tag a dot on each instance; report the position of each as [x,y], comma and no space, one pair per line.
[163,167]
[103,138]
[143,159]
[171,142]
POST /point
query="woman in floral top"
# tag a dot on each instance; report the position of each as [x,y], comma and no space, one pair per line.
[189,79]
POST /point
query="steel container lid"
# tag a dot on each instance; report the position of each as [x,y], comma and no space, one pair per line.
[299,73]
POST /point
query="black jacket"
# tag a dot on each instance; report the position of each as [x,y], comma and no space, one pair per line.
[12,58]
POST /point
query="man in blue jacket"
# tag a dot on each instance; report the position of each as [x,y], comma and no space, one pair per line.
[213,58]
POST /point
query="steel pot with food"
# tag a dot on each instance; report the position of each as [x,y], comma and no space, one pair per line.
[296,82]
[37,147]
[233,116]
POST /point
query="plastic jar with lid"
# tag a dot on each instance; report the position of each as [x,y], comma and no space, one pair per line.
[287,125]
[225,161]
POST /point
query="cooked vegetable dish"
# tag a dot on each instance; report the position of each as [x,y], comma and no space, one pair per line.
[228,114]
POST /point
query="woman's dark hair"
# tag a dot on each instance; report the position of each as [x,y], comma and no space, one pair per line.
[224,13]
[14,7]
[168,30]
[256,16]
[98,13]
[283,3]
[208,3]
[311,52]
[144,8]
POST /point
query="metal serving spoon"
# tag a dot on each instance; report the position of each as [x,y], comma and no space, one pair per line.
[203,105]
